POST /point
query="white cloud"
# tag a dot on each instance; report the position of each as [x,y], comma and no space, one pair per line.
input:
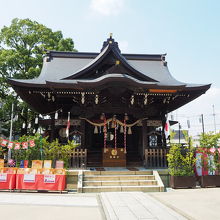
[107,7]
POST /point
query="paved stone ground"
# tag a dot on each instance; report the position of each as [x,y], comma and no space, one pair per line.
[135,206]
[199,204]
[35,206]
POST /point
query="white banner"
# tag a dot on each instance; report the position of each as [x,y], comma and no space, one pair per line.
[49,178]
[3,177]
[29,178]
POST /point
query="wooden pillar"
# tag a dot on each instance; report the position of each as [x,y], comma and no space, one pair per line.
[82,130]
[163,132]
[52,124]
[144,137]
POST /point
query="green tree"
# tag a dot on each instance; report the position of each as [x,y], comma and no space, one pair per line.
[209,140]
[22,46]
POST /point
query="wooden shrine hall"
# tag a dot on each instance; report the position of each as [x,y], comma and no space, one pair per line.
[117,102]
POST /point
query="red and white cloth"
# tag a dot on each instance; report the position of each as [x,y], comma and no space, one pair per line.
[10,144]
[17,146]
[167,129]
[31,143]
[4,143]
[68,125]
[25,145]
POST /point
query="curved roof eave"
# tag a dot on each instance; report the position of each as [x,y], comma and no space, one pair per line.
[26,83]
[100,58]
[79,83]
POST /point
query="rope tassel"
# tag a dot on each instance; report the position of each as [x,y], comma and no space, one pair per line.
[129,130]
[96,130]
[121,129]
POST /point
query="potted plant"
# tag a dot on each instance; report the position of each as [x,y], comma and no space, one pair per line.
[181,162]
[210,160]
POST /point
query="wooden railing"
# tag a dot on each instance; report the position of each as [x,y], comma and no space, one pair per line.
[78,158]
[156,158]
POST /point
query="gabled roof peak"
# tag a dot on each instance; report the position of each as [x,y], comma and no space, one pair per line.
[111,42]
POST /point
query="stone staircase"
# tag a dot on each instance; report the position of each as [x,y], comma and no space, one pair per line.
[117,181]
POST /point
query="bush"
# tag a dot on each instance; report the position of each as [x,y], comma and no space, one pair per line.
[57,151]
[181,163]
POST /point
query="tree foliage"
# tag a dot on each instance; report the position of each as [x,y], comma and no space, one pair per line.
[209,140]
[22,46]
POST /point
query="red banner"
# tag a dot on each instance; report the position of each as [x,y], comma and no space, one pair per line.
[4,143]
[10,145]
[16,145]
[25,145]
[31,143]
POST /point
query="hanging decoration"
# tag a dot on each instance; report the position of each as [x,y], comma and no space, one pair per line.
[23,125]
[145,99]
[105,134]
[16,145]
[132,100]
[4,143]
[83,97]
[24,145]
[115,123]
[115,134]
[96,130]
[96,99]
[121,129]
[110,120]
[56,115]
[29,125]
[67,126]
[32,143]
[36,120]
[129,130]
[10,144]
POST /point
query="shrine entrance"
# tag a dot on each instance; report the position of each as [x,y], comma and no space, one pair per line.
[113,142]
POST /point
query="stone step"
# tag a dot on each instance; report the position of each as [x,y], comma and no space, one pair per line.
[95,189]
[118,177]
[121,183]
[128,172]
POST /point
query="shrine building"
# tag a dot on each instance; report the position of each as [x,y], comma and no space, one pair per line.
[117,103]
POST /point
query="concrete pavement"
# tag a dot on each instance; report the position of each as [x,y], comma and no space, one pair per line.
[199,204]
[36,206]
[196,204]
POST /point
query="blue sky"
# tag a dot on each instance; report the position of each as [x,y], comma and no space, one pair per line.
[188,31]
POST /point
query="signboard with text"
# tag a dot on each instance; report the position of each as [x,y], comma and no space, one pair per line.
[29,178]
[3,177]
[49,178]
